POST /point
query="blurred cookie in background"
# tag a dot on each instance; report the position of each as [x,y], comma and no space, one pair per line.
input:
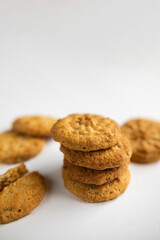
[144,135]
[15,147]
[36,126]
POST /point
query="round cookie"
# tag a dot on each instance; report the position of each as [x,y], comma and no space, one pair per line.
[91,176]
[36,126]
[94,193]
[145,138]
[143,158]
[21,197]
[12,175]
[115,156]
[15,147]
[86,132]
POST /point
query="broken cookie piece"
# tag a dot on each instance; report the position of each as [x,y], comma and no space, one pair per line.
[12,175]
[20,197]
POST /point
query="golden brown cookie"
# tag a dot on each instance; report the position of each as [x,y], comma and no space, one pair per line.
[115,156]
[94,193]
[12,175]
[21,197]
[86,132]
[91,176]
[143,158]
[145,138]
[15,147]
[36,126]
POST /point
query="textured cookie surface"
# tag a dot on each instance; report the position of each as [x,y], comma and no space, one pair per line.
[86,132]
[115,156]
[36,126]
[21,197]
[12,175]
[91,176]
[16,148]
[94,193]
[145,138]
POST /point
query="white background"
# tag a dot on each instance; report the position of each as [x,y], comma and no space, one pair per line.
[64,56]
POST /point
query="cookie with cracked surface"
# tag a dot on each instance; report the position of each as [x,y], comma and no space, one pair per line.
[36,126]
[15,147]
[91,176]
[94,193]
[115,156]
[12,175]
[145,138]
[21,197]
[86,132]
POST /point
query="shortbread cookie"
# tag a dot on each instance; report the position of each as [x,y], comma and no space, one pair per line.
[12,175]
[115,156]
[91,176]
[21,197]
[94,193]
[15,147]
[143,158]
[36,126]
[86,132]
[145,138]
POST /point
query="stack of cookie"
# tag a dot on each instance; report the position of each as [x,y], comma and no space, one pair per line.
[96,156]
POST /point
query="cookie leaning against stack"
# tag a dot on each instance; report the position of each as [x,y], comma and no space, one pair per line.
[96,156]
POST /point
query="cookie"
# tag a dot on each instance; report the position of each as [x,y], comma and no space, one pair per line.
[145,138]
[12,175]
[115,156]
[21,197]
[36,126]
[94,193]
[91,176]
[143,158]
[86,132]
[15,147]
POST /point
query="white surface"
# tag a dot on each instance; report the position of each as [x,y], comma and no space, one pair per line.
[59,57]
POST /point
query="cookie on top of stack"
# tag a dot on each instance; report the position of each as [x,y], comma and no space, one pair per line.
[96,156]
